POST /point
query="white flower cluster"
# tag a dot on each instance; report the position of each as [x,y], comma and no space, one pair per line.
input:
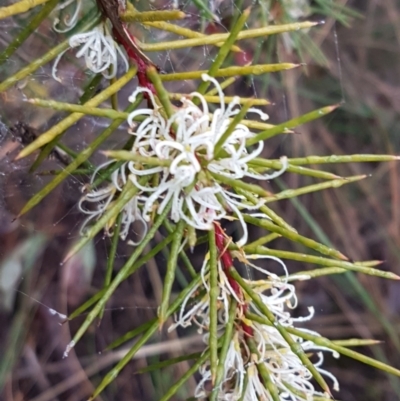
[99,51]
[291,378]
[186,142]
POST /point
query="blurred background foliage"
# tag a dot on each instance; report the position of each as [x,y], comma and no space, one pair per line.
[352,59]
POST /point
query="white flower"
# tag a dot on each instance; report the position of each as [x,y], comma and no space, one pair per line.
[255,390]
[99,51]
[187,141]
[288,374]
[234,368]
[286,370]
[291,378]
[232,383]
[199,313]
[68,21]
[102,199]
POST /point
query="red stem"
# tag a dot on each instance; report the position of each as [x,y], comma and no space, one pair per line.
[227,263]
[111,9]
[142,64]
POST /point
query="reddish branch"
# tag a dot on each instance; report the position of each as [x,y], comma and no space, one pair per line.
[112,9]
[227,264]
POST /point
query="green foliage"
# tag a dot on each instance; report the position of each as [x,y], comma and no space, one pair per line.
[245,298]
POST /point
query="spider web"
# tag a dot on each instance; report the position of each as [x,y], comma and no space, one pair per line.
[17,185]
[58,216]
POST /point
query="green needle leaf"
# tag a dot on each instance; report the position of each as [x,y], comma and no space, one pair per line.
[260,250]
[226,340]
[277,165]
[126,155]
[19,7]
[161,91]
[84,109]
[214,292]
[120,277]
[222,54]
[80,159]
[90,20]
[221,37]
[292,193]
[230,71]
[190,372]
[171,269]
[341,159]
[131,334]
[110,376]
[295,122]
[111,256]
[27,31]
[169,362]
[59,128]
[324,342]
[166,15]
[308,242]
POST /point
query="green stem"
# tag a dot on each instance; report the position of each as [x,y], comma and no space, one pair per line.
[171,269]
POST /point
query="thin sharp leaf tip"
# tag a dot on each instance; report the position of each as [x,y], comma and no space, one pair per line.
[67,257]
[18,157]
